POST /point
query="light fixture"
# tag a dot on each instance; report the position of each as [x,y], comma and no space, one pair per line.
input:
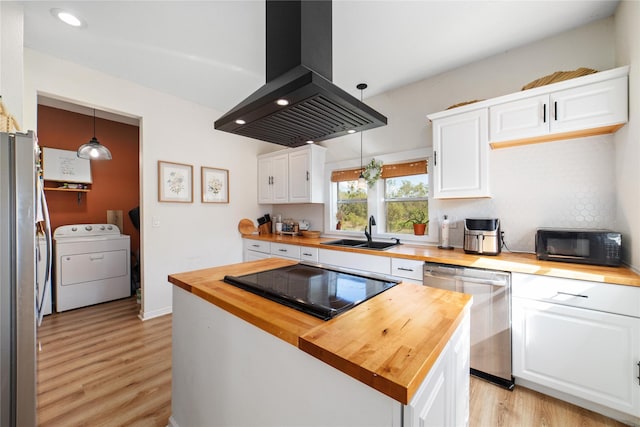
[240,122]
[282,102]
[362,183]
[351,131]
[68,18]
[93,150]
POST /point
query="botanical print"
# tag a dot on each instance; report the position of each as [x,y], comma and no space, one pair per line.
[175,182]
[215,185]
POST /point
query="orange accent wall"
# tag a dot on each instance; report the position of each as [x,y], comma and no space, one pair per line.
[115,182]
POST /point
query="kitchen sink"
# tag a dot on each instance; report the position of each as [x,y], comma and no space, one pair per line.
[363,244]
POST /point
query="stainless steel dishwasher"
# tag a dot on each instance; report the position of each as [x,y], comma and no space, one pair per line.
[490,316]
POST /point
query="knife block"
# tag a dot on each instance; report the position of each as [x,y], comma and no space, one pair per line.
[264,228]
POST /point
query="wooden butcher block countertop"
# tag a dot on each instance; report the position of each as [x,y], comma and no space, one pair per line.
[389,342]
[513,262]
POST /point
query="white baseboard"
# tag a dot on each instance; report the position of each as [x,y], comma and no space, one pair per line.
[146,315]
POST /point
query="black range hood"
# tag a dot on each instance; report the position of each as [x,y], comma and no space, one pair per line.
[299,71]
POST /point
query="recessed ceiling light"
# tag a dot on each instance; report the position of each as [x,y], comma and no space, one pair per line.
[351,131]
[240,122]
[309,142]
[68,18]
[282,102]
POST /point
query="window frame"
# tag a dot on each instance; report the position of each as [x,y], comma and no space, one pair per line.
[375,200]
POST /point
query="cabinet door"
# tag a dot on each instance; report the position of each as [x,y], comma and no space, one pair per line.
[300,176]
[265,174]
[591,106]
[281,178]
[519,119]
[586,353]
[460,155]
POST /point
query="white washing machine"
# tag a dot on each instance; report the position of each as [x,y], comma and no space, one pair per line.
[93,265]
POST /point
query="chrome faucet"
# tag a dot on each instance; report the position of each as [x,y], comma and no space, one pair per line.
[372,222]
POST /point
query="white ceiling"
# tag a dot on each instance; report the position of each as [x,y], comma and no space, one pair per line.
[212,52]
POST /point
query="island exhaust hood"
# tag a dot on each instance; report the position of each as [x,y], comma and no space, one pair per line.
[299,104]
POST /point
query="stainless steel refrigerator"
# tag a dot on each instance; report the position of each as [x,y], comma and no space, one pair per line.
[20,208]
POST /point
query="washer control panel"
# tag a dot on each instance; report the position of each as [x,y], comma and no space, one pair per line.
[86,230]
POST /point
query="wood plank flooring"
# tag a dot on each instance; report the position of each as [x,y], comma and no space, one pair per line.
[102,366]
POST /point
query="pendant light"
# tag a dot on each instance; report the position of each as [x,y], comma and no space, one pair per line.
[93,150]
[362,183]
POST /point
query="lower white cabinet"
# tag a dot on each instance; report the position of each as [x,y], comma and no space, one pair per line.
[283,250]
[581,351]
[309,254]
[356,261]
[443,398]
[407,269]
[255,249]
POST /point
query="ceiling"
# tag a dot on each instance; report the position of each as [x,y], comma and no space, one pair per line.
[213,52]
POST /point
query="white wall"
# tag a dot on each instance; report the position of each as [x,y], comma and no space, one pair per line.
[627,140]
[11,52]
[563,184]
[190,236]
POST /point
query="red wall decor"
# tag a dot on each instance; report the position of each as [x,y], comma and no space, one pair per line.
[115,182]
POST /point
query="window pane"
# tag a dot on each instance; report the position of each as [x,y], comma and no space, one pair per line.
[406,199]
[351,206]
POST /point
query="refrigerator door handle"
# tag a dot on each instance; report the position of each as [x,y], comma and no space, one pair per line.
[49,254]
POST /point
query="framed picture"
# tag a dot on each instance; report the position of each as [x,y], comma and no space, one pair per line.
[175,182]
[215,185]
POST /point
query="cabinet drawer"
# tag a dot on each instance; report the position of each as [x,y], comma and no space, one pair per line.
[285,251]
[618,299]
[357,261]
[258,246]
[407,268]
[309,254]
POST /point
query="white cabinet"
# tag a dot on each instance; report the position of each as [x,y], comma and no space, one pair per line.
[585,110]
[569,336]
[309,254]
[306,175]
[443,398]
[292,176]
[356,261]
[407,269]
[273,181]
[283,250]
[255,249]
[460,155]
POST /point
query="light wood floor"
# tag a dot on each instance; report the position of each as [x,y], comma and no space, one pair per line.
[102,366]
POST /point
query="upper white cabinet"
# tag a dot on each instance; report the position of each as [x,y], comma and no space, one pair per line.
[273,181]
[580,111]
[292,176]
[460,160]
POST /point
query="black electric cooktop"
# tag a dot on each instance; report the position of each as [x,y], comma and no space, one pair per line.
[320,291]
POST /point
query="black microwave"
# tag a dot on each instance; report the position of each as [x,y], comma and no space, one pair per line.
[598,247]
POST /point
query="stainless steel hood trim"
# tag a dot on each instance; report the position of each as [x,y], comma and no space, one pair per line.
[318,110]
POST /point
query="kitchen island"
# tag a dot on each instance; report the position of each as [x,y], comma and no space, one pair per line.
[239,359]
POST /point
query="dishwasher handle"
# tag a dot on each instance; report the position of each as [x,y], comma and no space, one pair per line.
[468,279]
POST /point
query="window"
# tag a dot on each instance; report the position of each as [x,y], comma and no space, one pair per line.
[399,197]
[405,199]
[351,201]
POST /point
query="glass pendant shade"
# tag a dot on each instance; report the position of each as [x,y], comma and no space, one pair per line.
[93,150]
[362,183]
